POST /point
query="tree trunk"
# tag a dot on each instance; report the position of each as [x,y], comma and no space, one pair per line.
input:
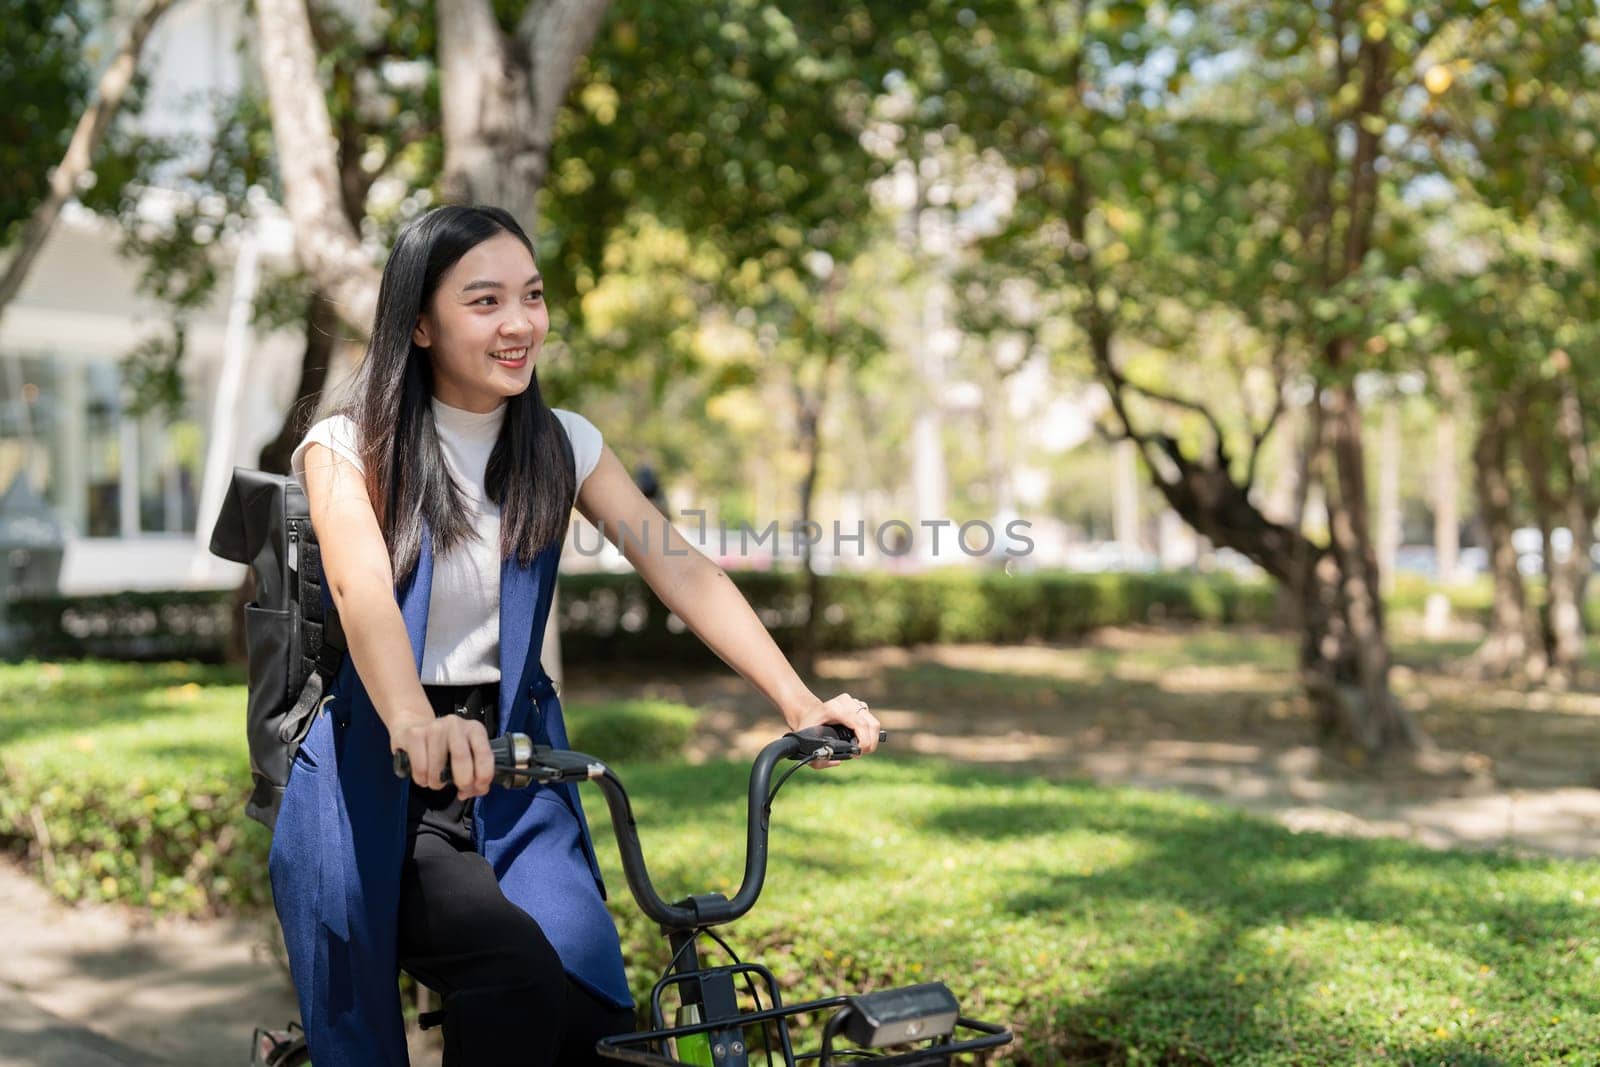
[1329,661]
[810,426]
[1390,520]
[490,155]
[325,240]
[1344,649]
[1125,499]
[1377,723]
[86,137]
[1569,580]
[1446,495]
[321,332]
[1344,657]
[500,97]
[1509,647]
[1536,467]
[1382,723]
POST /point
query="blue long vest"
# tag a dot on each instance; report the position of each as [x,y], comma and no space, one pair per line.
[339,842]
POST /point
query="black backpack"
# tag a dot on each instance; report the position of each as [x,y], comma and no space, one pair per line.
[293,641]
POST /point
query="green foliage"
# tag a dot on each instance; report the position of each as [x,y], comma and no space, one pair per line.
[383,103]
[757,182]
[153,372]
[46,75]
[762,158]
[631,731]
[127,782]
[1192,201]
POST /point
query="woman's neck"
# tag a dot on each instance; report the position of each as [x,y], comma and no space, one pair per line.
[472,425]
[475,406]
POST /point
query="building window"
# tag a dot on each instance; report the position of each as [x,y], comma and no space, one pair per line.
[29,422]
[107,472]
[170,458]
[103,456]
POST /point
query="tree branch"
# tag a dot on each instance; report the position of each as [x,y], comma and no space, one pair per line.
[1258,438]
[1163,397]
[555,34]
[86,137]
[325,240]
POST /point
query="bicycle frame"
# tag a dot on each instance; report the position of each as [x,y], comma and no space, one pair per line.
[712,991]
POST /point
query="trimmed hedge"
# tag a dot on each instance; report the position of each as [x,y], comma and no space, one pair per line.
[615,616]
[127,782]
[609,616]
[147,626]
[632,731]
[1475,600]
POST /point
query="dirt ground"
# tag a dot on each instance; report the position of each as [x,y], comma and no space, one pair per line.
[1217,713]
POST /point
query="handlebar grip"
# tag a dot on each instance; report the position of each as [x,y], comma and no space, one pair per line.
[832,731]
[502,748]
[831,734]
[402,767]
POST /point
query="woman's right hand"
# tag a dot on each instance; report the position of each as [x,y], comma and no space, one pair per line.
[431,742]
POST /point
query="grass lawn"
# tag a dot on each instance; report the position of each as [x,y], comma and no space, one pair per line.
[1114,923]
[1105,925]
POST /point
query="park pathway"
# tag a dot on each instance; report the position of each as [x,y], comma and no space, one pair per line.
[1216,715]
[98,986]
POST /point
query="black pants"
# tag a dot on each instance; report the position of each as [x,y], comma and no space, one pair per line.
[507,999]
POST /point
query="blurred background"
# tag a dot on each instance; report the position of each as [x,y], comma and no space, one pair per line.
[1195,401]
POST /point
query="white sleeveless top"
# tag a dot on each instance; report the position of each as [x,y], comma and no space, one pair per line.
[462,646]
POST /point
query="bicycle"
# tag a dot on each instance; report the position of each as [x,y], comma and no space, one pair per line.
[709,1030]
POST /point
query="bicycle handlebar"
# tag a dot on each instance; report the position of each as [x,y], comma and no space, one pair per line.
[517,757]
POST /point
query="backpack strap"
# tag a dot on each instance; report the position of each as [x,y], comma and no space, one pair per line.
[322,641]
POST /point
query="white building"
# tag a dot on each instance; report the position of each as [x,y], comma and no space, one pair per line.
[138,495]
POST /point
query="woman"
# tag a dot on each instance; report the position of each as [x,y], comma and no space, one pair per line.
[439,495]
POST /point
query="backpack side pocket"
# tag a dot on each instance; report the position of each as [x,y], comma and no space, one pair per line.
[273,639]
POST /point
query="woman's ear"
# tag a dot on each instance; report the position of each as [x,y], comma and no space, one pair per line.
[419,333]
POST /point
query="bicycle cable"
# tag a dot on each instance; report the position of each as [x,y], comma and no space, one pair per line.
[766,809]
[862,1053]
[750,984]
[676,956]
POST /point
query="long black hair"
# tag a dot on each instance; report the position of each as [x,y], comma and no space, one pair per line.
[530,471]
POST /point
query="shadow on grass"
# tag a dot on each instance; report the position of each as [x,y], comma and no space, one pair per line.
[48,699]
[1238,875]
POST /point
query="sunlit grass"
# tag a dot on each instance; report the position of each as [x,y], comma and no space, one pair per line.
[1104,925]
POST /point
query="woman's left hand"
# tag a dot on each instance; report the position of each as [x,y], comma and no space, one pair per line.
[845,710]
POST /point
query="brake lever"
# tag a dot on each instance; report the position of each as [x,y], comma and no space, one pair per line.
[829,741]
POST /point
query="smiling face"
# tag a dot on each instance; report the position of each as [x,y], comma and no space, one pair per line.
[484,326]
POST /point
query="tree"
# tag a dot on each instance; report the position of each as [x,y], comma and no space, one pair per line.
[385,125]
[498,115]
[762,167]
[1223,170]
[326,241]
[109,93]
[1510,118]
